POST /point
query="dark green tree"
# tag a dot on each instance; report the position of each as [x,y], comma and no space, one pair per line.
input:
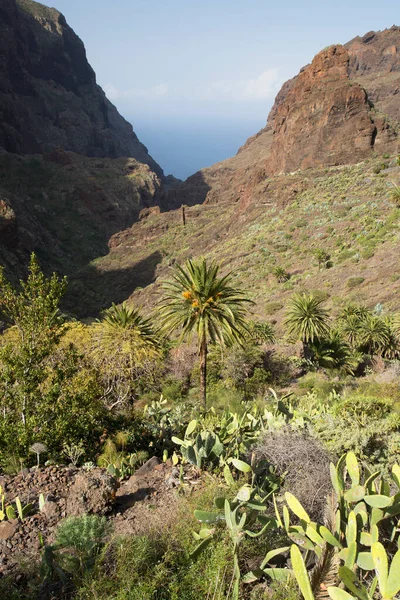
[46,395]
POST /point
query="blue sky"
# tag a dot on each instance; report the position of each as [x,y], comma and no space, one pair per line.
[197,77]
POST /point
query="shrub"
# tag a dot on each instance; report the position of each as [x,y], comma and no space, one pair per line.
[304,464]
[301,223]
[367,253]
[281,274]
[353,282]
[272,307]
[321,257]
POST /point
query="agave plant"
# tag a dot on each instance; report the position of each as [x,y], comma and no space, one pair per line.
[281,274]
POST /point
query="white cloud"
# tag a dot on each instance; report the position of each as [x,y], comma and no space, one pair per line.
[263,87]
[155,91]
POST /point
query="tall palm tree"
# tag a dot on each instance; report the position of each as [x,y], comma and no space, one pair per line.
[306,320]
[198,301]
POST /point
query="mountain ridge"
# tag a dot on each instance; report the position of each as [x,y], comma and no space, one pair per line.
[360,79]
[49,96]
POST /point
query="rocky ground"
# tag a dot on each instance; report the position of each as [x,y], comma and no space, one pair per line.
[149,496]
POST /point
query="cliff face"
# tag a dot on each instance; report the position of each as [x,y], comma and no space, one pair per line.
[48,92]
[340,109]
[72,171]
[325,118]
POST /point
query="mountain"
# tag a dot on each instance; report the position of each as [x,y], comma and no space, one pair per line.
[49,97]
[72,171]
[340,109]
[318,176]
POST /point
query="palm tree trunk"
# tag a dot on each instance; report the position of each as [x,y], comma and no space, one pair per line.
[203,370]
[307,353]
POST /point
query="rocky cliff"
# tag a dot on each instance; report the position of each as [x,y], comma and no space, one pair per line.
[340,109]
[72,171]
[49,97]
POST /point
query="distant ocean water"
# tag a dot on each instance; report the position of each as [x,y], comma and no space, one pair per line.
[182,147]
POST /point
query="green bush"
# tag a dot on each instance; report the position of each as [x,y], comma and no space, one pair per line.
[272,307]
[353,282]
[367,253]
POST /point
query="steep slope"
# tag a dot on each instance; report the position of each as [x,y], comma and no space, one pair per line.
[65,207]
[72,171]
[345,210]
[340,109]
[48,92]
[319,175]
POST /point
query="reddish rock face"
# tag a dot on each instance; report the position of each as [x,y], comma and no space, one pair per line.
[340,109]
[375,64]
[323,119]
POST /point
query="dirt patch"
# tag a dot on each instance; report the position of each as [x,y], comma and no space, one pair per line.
[147,501]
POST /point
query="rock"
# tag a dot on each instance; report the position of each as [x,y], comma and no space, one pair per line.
[51,509]
[7,530]
[323,118]
[93,492]
[338,110]
[49,98]
[148,467]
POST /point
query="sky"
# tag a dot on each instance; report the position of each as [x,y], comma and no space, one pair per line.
[196,78]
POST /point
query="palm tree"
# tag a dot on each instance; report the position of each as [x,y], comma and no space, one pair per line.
[334,353]
[125,347]
[392,348]
[281,274]
[374,334]
[350,328]
[197,300]
[306,320]
[260,332]
[126,318]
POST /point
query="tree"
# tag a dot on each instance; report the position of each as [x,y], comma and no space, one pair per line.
[198,301]
[321,257]
[261,332]
[33,310]
[306,320]
[46,395]
[335,353]
[350,329]
[125,349]
[374,334]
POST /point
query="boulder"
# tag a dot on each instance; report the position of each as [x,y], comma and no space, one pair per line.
[7,530]
[92,493]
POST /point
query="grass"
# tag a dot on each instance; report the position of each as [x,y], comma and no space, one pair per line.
[346,210]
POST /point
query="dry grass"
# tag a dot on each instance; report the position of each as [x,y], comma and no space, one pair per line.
[305,464]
